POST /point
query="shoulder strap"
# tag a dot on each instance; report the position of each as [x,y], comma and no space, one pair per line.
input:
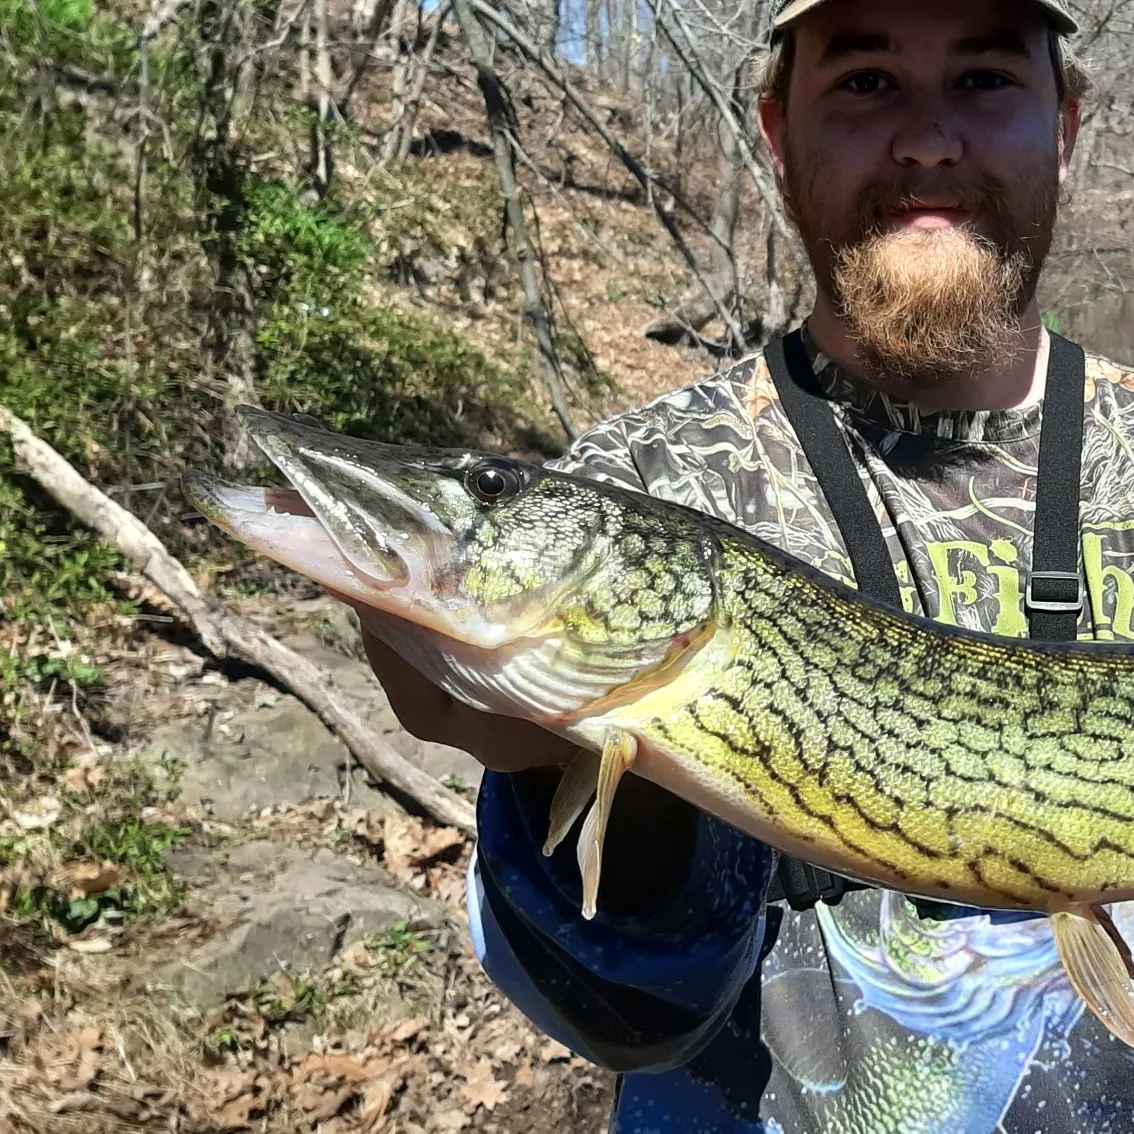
[827,453]
[1053,596]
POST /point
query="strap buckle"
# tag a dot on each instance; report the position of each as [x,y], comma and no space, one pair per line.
[804,885]
[1060,579]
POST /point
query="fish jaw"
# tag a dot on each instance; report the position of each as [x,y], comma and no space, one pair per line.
[278,524]
[543,593]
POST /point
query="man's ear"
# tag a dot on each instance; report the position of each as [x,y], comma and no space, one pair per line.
[1071,114]
[773,129]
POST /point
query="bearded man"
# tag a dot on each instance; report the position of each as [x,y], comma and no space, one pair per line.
[922,437]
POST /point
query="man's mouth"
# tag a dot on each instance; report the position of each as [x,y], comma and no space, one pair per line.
[924,215]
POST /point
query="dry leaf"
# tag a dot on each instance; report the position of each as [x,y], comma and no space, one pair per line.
[405,1030]
[450,1120]
[553,1050]
[366,824]
[87,773]
[93,945]
[410,844]
[400,839]
[525,1077]
[436,841]
[229,1084]
[506,1050]
[76,1100]
[91,877]
[358,956]
[236,1114]
[40,813]
[322,1105]
[375,1102]
[338,1064]
[482,1088]
[90,1043]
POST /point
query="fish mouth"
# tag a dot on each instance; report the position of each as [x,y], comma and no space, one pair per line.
[356,518]
[279,523]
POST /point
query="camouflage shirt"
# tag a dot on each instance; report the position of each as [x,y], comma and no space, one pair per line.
[862,1017]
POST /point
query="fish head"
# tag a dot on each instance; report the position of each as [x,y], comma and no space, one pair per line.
[481,549]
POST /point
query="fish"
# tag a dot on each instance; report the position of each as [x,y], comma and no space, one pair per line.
[932,760]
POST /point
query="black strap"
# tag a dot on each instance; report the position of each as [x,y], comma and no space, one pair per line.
[802,885]
[1054,593]
[826,450]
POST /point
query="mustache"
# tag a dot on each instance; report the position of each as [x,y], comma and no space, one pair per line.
[878,201]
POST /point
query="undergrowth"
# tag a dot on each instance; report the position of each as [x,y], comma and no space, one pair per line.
[114,288]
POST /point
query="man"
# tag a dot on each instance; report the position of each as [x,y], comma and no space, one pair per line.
[921,147]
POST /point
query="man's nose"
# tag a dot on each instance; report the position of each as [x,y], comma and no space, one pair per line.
[926,136]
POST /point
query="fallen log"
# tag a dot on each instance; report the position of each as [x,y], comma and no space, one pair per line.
[223,632]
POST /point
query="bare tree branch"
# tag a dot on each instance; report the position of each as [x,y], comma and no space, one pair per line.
[768,194]
[643,178]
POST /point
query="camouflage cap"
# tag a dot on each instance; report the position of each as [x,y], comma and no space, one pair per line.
[1057,10]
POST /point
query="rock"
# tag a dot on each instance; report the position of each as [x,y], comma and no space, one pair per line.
[251,751]
[277,906]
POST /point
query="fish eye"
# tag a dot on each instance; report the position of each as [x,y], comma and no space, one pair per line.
[492,483]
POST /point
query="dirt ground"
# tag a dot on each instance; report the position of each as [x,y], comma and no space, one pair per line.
[316,975]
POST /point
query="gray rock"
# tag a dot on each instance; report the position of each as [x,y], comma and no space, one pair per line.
[275,906]
[252,751]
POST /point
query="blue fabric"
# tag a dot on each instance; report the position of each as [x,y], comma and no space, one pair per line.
[702,968]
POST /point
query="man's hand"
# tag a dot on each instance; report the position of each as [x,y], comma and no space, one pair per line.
[501,744]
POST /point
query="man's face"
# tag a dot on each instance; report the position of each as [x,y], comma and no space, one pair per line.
[921,152]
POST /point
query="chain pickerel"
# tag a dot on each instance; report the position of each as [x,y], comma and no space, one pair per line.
[886,747]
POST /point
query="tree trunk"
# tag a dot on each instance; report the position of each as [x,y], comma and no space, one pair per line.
[321,160]
[497,107]
[628,160]
[403,45]
[413,103]
[726,212]
[229,338]
[593,18]
[554,25]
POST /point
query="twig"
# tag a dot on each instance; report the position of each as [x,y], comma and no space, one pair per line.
[759,177]
[223,632]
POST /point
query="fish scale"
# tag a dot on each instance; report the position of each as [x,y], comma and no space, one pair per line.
[930,760]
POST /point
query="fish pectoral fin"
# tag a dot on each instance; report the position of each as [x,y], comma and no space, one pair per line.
[618,754]
[1099,964]
[573,794]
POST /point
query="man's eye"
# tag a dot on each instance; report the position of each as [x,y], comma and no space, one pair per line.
[866,82]
[985,81]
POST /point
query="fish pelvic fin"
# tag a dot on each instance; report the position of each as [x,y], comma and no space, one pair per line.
[578,784]
[618,754]
[1099,965]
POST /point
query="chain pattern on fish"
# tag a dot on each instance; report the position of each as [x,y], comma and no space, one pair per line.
[927,760]
[937,762]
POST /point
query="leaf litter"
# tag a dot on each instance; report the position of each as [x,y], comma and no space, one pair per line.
[401,1033]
